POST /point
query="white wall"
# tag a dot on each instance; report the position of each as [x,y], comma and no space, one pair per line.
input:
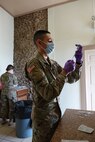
[70,24]
[6,39]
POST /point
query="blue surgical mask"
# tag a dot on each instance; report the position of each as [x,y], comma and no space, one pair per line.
[49,47]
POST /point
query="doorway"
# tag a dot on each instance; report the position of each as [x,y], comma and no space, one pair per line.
[88,78]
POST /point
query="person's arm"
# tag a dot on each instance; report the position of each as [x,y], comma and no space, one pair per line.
[1,85]
[75,75]
[15,81]
[39,79]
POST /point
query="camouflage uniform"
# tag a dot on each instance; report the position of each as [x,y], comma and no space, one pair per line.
[48,80]
[8,95]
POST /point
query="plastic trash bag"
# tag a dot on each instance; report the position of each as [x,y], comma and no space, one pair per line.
[23,109]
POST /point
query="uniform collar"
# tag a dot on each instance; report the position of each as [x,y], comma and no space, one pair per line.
[43,60]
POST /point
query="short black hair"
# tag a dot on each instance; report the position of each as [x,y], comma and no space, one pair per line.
[39,35]
[9,67]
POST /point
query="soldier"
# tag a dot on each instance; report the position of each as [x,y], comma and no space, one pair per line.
[48,79]
[8,94]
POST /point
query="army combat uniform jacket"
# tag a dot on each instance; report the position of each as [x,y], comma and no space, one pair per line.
[48,80]
[8,92]
[9,81]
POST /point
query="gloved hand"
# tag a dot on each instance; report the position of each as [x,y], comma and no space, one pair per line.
[69,66]
[78,53]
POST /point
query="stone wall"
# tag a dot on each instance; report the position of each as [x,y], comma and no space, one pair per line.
[24,29]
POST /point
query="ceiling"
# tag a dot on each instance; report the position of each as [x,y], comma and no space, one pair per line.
[21,7]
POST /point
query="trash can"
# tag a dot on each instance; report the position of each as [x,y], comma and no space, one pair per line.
[23,111]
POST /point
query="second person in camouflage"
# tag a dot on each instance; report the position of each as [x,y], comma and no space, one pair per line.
[8,94]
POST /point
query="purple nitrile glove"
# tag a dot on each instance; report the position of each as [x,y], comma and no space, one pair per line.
[78,54]
[69,66]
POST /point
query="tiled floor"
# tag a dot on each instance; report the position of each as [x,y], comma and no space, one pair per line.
[8,134]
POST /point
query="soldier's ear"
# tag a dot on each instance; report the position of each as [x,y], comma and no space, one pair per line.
[38,42]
